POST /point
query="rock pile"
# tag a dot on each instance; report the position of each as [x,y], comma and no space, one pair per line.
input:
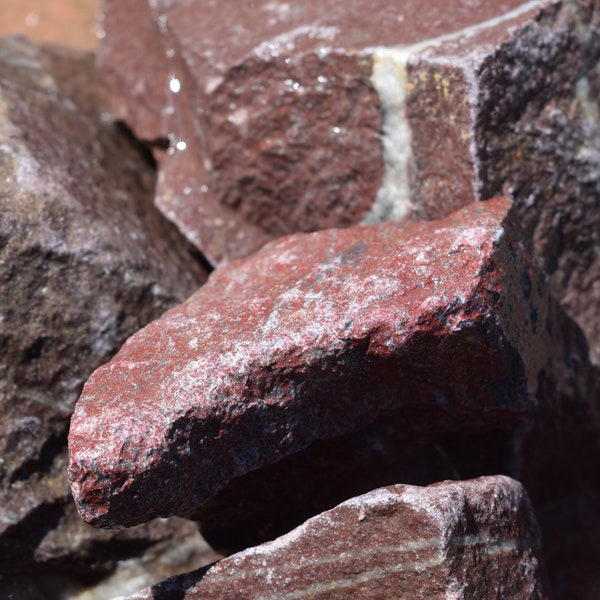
[431,312]
[285,117]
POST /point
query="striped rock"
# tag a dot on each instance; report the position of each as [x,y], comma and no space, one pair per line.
[469,539]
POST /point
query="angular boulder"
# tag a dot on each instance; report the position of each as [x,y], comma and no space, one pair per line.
[85,260]
[469,539]
[287,117]
[445,325]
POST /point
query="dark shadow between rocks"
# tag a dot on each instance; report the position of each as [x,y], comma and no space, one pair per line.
[19,541]
[267,503]
[52,447]
[175,587]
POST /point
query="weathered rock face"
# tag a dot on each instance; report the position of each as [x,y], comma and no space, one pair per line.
[69,22]
[445,324]
[327,365]
[85,260]
[470,539]
[513,110]
[270,97]
[249,123]
[290,117]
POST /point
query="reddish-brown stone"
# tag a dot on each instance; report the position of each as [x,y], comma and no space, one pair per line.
[299,116]
[85,260]
[513,110]
[269,98]
[255,124]
[469,539]
[316,336]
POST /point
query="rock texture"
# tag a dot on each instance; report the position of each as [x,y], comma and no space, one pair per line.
[328,365]
[270,97]
[470,539]
[288,117]
[248,122]
[445,324]
[85,261]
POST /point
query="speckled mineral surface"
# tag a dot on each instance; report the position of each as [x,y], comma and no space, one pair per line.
[316,336]
[460,539]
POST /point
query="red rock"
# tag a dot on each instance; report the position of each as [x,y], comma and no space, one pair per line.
[267,120]
[280,108]
[316,336]
[270,97]
[85,260]
[469,539]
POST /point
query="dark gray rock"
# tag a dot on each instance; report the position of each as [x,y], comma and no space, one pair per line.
[85,260]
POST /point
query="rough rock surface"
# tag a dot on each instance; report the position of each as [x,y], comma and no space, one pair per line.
[288,117]
[85,260]
[270,97]
[446,324]
[513,110]
[469,539]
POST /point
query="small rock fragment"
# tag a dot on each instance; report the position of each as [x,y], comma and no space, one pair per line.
[469,539]
[317,336]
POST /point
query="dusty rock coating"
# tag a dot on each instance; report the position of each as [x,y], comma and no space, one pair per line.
[316,336]
[469,539]
[271,97]
[288,117]
[85,261]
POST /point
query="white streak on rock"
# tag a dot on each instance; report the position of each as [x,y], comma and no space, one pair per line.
[389,79]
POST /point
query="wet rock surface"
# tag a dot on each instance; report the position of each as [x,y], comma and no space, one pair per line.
[314,337]
[475,538]
[85,260]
